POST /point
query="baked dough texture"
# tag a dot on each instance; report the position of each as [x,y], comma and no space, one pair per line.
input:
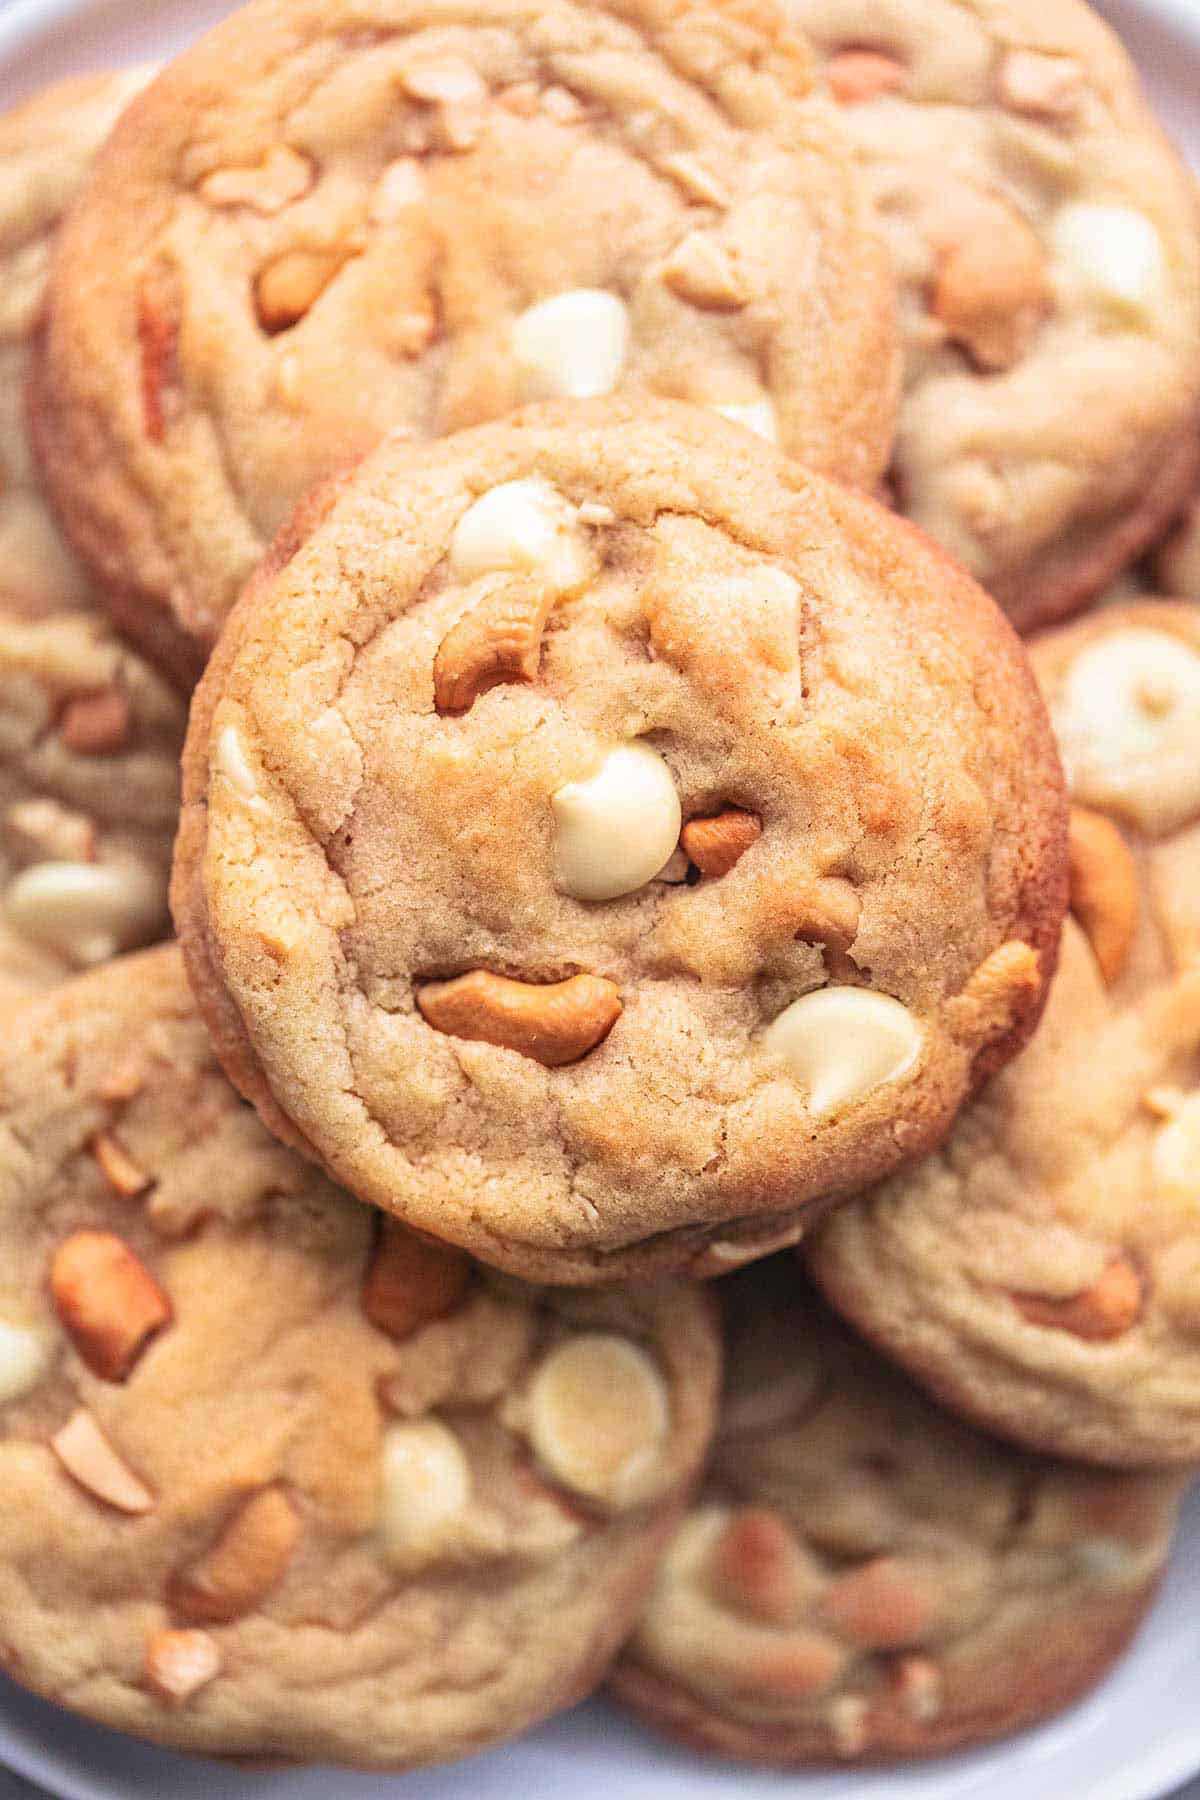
[428,880]
[274,1483]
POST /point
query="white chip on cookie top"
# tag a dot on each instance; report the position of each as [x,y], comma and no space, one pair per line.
[599,1417]
[842,1042]
[24,1357]
[572,345]
[757,416]
[522,525]
[1112,257]
[616,829]
[1128,722]
[426,1491]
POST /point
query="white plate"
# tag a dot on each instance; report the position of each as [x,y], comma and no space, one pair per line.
[1136,1738]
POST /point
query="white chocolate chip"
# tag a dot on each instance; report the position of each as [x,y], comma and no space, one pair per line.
[757,416]
[1128,723]
[86,912]
[1112,256]
[233,762]
[572,345]
[1175,1155]
[24,1358]
[426,1490]
[399,188]
[842,1042]
[616,830]
[599,1416]
[522,525]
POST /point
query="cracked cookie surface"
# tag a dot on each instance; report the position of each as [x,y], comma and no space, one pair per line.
[1044,234]
[605,843]
[863,1576]
[278,1481]
[1042,1270]
[327,220]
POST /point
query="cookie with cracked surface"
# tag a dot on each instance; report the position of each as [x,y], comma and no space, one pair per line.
[1045,238]
[1042,1271]
[90,740]
[605,841]
[277,1482]
[865,1577]
[327,220]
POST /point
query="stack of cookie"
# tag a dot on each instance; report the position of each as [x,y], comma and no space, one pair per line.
[445,456]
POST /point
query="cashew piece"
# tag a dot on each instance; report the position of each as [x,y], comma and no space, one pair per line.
[554,1022]
[1105,1310]
[1104,889]
[716,844]
[497,640]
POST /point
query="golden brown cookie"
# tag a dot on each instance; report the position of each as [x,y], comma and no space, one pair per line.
[1042,1270]
[864,1577]
[606,842]
[279,1482]
[1044,233]
[327,219]
[1175,566]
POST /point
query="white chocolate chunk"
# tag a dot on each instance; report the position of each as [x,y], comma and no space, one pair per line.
[1175,1156]
[522,525]
[599,1417]
[1128,723]
[1111,1564]
[571,346]
[615,831]
[24,1358]
[233,762]
[1112,256]
[757,416]
[426,1490]
[842,1042]
[86,912]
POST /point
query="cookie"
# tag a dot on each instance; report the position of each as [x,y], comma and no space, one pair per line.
[326,220]
[275,1483]
[1042,1271]
[1045,238]
[46,146]
[865,1577]
[90,741]
[531,803]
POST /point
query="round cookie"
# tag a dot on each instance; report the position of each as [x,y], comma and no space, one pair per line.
[605,842]
[329,219]
[864,1577]
[46,146]
[1044,234]
[278,1484]
[1042,1271]
[90,740]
